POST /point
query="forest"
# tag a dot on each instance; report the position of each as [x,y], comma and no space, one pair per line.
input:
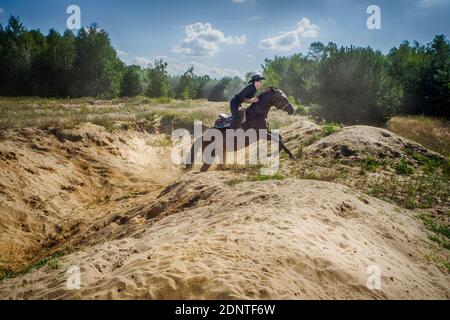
[351,85]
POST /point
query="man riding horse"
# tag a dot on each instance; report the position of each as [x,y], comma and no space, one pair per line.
[255,118]
[247,95]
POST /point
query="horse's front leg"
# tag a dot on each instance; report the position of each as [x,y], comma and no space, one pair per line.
[281,146]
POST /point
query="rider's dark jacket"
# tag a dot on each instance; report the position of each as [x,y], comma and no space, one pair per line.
[247,93]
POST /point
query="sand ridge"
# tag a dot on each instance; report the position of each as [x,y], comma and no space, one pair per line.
[292,239]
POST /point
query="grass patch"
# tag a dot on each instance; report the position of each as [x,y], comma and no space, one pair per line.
[433,133]
[446,265]
[404,167]
[430,163]
[22,112]
[260,177]
[250,178]
[50,261]
[330,128]
[370,164]
[441,230]
[250,173]
[422,191]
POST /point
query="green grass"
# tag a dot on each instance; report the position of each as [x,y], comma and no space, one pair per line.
[404,167]
[330,128]
[250,173]
[441,230]
[301,110]
[260,177]
[371,164]
[430,163]
[50,261]
[436,227]
[446,265]
[420,191]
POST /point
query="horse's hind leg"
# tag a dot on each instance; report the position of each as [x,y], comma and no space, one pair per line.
[206,165]
[190,159]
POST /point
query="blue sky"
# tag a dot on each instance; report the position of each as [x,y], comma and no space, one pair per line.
[232,37]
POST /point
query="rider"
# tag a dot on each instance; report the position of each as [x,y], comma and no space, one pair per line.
[247,95]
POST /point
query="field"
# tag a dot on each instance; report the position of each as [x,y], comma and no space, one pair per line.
[433,133]
[67,113]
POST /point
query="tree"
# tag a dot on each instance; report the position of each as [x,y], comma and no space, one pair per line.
[186,88]
[16,56]
[54,66]
[97,69]
[424,73]
[295,75]
[131,84]
[354,87]
[158,79]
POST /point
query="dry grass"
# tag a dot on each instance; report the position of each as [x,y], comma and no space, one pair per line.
[25,112]
[67,113]
[433,133]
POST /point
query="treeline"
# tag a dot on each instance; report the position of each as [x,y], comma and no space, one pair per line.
[86,64]
[347,84]
[155,81]
[360,85]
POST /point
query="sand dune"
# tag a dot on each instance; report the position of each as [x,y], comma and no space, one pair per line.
[202,236]
[55,182]
[293,239]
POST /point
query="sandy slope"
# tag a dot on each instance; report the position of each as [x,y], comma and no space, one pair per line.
[136,234]
[53,183]
[292,239]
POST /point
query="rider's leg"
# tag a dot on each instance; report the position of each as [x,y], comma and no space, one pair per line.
[235,113]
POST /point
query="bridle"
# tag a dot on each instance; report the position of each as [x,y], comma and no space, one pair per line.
[283,108]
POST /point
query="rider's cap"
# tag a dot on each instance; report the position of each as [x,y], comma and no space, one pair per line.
[256,77]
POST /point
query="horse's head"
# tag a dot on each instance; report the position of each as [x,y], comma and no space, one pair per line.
[281,101]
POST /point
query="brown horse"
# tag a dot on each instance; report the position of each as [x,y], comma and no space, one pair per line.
[255,118]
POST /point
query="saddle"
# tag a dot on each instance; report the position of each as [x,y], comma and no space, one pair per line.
[224,120]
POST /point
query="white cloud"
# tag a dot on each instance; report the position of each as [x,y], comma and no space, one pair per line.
[121,53]
[292,39]
[242,1]
[432,3]
[255,18]
[142,61]
[177,68]
[2,11]
[203,40]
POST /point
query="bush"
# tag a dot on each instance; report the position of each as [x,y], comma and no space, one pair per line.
[403,167]
[301,110]
[330,128]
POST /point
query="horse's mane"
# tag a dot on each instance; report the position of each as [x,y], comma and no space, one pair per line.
[261,96]
[268,90]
